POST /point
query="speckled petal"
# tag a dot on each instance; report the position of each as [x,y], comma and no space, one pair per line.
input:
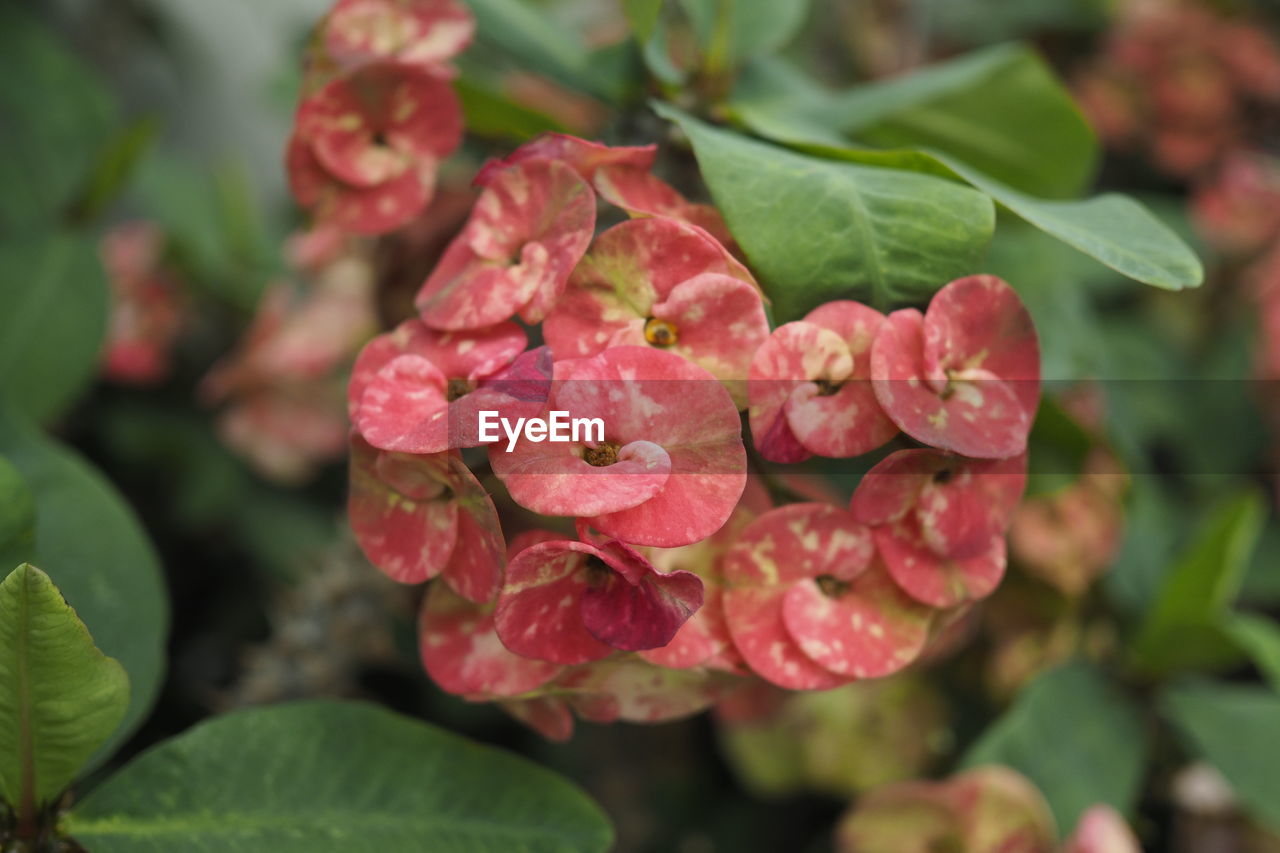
[979,415]
[796,354]
[868,630]
[475,568]
[462,653]
[961,513]
[584,156]
[554,479]
[539,613]
[891,488]
[719,322]
[528,230]
[403,519]
[404,407]
[934,580]
[422,32]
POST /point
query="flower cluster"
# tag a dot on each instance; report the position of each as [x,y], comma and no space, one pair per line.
[1182,80]
[640,573]
[378,113]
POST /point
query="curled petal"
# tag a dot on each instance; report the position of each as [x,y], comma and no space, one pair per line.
[868,629]
[938,581]
[585,157]
[554,479]
[462,653]
[755,621]
[475,568]
[539,611]
[973,414]
[408,532]
[405,407]
[639,608]
[420,32]
[528,230]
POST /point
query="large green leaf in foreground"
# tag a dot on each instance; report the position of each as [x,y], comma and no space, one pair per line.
[92,546]
[60,697]
[325,776]
[817,230]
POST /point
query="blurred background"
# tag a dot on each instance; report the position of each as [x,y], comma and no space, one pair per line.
[162,314]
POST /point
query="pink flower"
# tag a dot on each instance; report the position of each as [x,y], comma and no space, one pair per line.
[572,602]
[939,521]
[527,231]
[146,316]
[809,388]
[671,467]
[413,389]
[662,283]
[462,653]
[366,146]
[965,376]
[417,517]
[426,33]
[808,607]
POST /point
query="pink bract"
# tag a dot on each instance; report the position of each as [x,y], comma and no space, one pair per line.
[671,467]
[587,158]
[809,390]
[965,376]
[572,602]
[416,517]
[365,146]
[528,230]
[418,32]
[939,521]
[412,389]
[807,606]
[462,653]
[662,283]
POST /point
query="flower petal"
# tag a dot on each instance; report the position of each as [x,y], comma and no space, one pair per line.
[934,580]
[640,608]
[539,612]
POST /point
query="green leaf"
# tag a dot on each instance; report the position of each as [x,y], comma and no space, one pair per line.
[333,776]
[816,230]
[91,544]
[526,33]
[1000,110]
[1259,638]
[780,104]
[55,114]
[17,514]
[1183,627]
[53,314]
[642,17]
[1058,446]
[729,32]
[113,168]
[490,113]
[1112,228]
[1234,729]
[59,696]
[1077,736]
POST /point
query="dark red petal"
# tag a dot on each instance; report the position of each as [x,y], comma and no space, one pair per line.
[640,613]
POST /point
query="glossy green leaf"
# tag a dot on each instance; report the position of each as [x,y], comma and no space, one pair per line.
[1182,629]
[17,515]
[333,776]
[1000,110]
[1233,728]
[60,697]
[1259,638]
[92,546]
[55,113]
[779,103]
[1077,736]
[53,314]
[816,230]
[729,32]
